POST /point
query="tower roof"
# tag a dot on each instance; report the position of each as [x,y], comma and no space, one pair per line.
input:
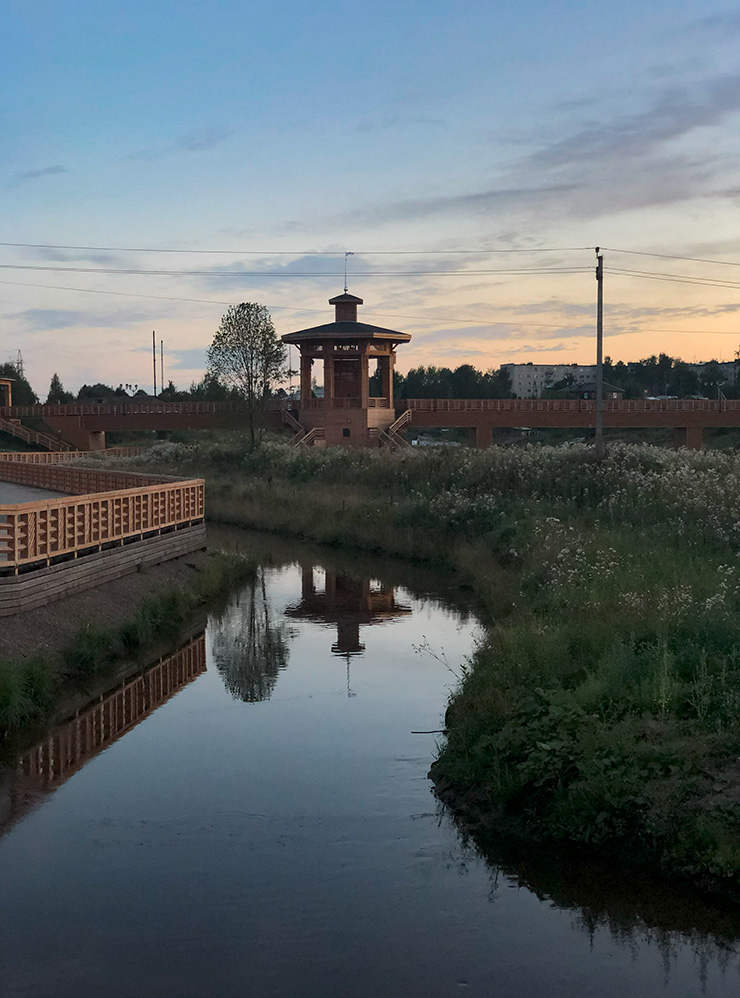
[345,326]
[346,297]
[346,330]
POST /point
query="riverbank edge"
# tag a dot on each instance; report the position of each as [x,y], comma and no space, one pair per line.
[303,497]
[477,815]
[32,687]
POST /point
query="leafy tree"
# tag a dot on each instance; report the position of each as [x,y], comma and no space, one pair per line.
[712,378]
[22,392]
[90,393]
[211,389]
[171,394]
[247,355]
[683,380]
[57,395]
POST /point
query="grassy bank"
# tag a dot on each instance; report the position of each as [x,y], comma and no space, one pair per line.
[30,687]
[601,709]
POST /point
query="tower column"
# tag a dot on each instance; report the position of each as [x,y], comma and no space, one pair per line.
[386,377]
[306,362]
[328,374]
[364,377]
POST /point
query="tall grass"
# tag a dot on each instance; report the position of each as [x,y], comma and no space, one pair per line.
[603,706]
[29,688]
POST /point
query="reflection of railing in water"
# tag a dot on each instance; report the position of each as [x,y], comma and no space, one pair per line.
[71,744]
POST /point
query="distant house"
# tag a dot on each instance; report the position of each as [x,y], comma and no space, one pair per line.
[588,391]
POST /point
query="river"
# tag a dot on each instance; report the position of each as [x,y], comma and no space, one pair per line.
[251,815]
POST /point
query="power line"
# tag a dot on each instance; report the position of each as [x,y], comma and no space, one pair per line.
[285,274]
[701,282]
[339,253]
[669,256]
[477,320]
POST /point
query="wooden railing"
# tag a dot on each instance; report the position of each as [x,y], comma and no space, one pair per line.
[57,456]
[401,421]
[61,477]
[571,405]
[21,432]
[108,508]
[123,409]
[316,433]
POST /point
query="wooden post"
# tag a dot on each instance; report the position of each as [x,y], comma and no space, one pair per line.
[306,363]
[364,378]
[328,374]
[386,377]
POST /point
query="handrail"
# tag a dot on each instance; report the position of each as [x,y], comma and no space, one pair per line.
[40,531]
[316,433]
[402,420]
[290,421]
[71,480]
[391,440]
[22,432]
[571,405]
[57,456]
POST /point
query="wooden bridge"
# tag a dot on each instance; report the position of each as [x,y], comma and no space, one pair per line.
[84,425]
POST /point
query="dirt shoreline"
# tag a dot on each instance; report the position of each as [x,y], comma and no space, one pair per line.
[47,630]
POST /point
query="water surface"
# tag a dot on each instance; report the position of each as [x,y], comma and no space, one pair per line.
[252,815]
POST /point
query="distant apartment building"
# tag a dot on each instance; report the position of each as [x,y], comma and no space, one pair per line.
[531,380]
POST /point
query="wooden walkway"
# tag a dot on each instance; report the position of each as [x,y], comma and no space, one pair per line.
[99,509]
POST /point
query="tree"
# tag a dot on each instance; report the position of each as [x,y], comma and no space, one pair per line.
[712,378]
[210,389]
[247,355]
[57,395]
[97,392]
[23,394]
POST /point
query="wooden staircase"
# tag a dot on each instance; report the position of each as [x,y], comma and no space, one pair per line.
[44,440]
[391,438]
[292,423]
[302,437]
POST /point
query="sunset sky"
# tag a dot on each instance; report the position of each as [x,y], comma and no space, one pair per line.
[463,139]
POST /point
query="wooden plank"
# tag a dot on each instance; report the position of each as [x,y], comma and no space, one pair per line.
[48,585]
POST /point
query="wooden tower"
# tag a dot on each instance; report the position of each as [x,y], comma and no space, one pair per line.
[347,414]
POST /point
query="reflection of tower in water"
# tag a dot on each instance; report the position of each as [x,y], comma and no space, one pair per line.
[348,602]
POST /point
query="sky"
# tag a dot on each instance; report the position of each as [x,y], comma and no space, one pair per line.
[469,154]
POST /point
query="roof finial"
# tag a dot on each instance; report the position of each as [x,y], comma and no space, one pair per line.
[346,254]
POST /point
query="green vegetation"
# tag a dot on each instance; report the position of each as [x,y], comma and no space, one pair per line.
[29,689]
[601,707]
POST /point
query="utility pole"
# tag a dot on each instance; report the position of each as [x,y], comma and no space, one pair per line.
[599,435]
[161,365]
[154,360]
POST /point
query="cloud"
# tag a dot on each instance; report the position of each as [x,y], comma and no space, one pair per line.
[474,202]
[390,121]
[36,320]
[672,116]
[73,256]
[630,161]
[45,171]
[199,140]
[724,21]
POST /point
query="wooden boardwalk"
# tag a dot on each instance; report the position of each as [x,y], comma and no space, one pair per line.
[85,425]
